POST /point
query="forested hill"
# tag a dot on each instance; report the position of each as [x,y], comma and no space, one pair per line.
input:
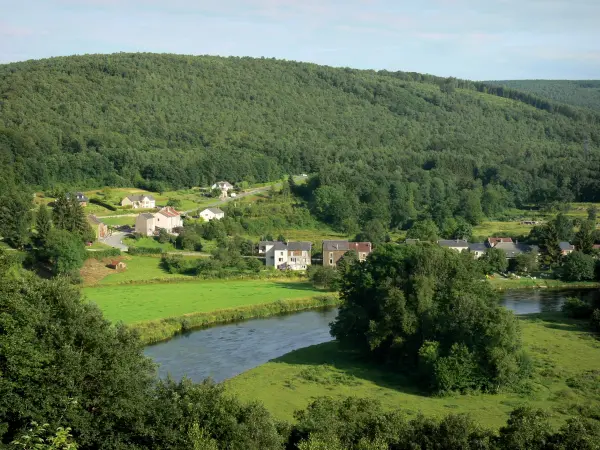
[579,93]
[150,120]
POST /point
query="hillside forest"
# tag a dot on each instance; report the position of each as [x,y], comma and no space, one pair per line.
[383,147]
[584,93]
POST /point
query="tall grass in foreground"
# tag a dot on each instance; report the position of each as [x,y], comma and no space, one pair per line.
[155,331]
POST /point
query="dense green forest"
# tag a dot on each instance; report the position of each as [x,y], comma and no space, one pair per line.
[573,92]
[385,148]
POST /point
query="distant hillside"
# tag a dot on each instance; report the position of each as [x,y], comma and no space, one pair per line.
[579,93]
[160,121]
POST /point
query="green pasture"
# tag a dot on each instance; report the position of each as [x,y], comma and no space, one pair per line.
[566,368]
[140,269]
[118,221]
[132,303]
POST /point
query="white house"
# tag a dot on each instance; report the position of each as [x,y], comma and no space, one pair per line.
[167,218]
[459,245]
[292,256]
[478,249]
[212,214]
[139,201]
[144,224]
[224,186]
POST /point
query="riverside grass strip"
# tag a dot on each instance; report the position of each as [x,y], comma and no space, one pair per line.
[154,331]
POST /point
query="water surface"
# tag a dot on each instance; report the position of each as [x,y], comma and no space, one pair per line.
[224,351]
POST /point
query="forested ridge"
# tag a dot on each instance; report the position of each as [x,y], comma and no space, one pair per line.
[404,140]
[573,92]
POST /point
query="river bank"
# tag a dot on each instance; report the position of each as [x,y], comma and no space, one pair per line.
[503,284]
[155,331]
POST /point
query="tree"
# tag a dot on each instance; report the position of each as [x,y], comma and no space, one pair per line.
[15,217]
[374,231]
[564,227]
[578,266]
[292,186]
[68,214]
[426,307]
[174,202]
[254,264]
[494,261]
[592,214]
[64,251]
[424,230]
[64,365]
[323,277]
[585,236]
[470,206]
[163,236]
[527,429]
[526,262]
[549,239]
[43,224]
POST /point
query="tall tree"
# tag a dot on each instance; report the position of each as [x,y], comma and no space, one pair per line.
[15,217]
[43,224]
[585,236]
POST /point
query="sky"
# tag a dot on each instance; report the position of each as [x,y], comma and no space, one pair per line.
[472,39]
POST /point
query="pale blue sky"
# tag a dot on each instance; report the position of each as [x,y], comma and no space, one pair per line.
[474,39]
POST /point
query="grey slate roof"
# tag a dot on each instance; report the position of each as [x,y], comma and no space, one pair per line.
[478,247]
[147,216]
[215,210]
[330,246]
[140,197]
[566,246]
[513,249]
[453,243]
[299,246]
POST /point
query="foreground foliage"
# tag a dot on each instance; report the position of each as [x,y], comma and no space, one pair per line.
[425,308]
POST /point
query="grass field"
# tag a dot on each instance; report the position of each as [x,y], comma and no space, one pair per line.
[118,221]
[567,369]
[137,303]
[148,242]
[141,268]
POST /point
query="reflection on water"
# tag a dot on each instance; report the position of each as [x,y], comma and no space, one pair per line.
[225,351]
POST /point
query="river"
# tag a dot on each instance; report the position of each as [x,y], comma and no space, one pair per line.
[224,351]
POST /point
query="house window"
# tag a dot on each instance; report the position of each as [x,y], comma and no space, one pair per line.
[280,259]
[293,260]
[331,261]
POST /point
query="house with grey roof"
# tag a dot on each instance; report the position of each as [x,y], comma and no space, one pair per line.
[478,249]
[286,256]
[334,250]
[460,245]
[139,201]
[514,249]
[212,214]
[566,248]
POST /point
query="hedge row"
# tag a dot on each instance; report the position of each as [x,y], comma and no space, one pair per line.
[97,201]
[144,251]
[101,254]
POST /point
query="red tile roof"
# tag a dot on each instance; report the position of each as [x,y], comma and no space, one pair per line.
[360,247]
[496,240]
[168,211]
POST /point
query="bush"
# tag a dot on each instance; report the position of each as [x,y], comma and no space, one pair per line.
[595,321]
[576,308]
[97,201]
[99,255]
[579,267]
[323,277]
[144,251]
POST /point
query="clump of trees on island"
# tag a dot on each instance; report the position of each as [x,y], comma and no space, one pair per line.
[424,310]
[70,379]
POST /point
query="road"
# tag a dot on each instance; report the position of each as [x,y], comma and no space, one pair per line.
[221,201]
[115,240]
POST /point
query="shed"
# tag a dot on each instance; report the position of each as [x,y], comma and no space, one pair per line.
[117,265]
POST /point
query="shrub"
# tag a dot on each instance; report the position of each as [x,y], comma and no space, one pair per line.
[579,267]
[576,308]
[144,251]
[99,255]
[97,201]
[595,321]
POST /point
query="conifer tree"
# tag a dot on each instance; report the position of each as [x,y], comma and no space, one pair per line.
[43,224]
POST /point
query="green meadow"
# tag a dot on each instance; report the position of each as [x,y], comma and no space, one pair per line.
[566,379]
[131,303]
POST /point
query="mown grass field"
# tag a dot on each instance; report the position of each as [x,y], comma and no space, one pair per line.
[140,269]
[566,377]
[132,303]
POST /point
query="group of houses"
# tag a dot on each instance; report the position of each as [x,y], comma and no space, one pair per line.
[169,219]
[297,255]
[511,248]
